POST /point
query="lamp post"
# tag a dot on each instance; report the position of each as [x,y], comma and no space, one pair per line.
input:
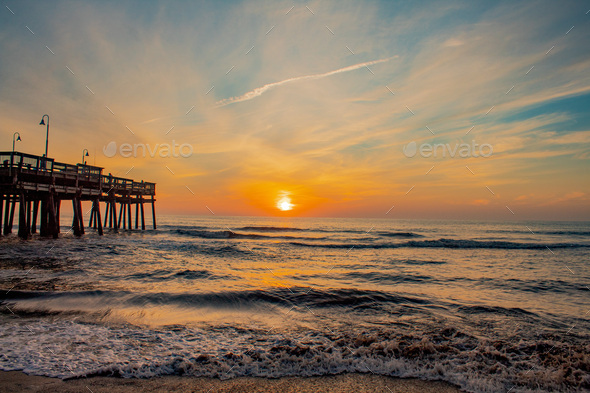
[15,138]
[42,123]
[84,154]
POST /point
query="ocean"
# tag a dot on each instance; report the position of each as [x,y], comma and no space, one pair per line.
[488,306]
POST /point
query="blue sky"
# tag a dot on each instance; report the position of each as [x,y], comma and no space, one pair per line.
[500,73]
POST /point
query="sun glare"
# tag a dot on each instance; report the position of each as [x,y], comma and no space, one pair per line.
[284,202]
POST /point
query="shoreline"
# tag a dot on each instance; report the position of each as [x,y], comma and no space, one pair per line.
[17,381]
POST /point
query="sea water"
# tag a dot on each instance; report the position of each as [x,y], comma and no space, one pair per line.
[489,306]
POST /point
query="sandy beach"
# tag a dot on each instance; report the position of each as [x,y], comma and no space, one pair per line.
[19,382]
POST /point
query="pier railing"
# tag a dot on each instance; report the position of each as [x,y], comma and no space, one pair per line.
[25,161]
[33,169]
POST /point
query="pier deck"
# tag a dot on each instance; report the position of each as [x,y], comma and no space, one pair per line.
[40,184]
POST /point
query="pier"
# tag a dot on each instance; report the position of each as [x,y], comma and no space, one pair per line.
[38,185]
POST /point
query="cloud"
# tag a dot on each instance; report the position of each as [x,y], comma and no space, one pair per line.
[453,42]
[261,90]
[572,196]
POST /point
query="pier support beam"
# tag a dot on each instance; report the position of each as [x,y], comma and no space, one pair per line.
[129,215]
[1,210]
[43,228]
[115,223]
[142,216]
[97,217]
[121,216]
[106,214]
[154,212]
[91,219]
[11,219]
[29,204]
[81,214]
[23,229]
[57,214]
[7,215]
[53,230]
[49,222]
[77,223]
[35,213]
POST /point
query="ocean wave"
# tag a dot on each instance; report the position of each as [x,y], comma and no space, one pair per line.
[166,275]
[419,262]
[476,364]
[282,296]
[364,302]
[534,231]
[388,278]
[213,249]
[271,229]
[229,234]
[566,233]
[176,226]
[447,243]
[399,234]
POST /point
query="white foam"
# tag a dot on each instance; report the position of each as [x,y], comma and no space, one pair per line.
[69,349]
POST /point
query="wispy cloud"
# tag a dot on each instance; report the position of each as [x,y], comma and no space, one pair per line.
[261,90]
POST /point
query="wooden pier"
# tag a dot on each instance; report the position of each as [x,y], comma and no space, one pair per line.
[39,184]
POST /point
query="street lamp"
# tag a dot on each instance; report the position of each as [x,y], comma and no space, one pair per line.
[15,138]
[47,136]
[84,154]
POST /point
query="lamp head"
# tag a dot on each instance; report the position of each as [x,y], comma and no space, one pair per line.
[87,154]
[18,138]
[42,121]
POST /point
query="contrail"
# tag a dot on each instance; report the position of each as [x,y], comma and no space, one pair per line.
[260,90]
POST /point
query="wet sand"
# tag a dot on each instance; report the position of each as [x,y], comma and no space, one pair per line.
[15,381]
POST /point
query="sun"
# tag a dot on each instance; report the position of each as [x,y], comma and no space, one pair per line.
[284,202]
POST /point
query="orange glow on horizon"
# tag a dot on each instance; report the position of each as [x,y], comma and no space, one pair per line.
[279,199]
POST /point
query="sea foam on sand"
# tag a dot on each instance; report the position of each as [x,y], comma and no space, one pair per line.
[14,381]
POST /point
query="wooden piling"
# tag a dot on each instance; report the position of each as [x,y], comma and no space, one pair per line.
[7,216]
[81,215]
[29,203]
[23,230]
[43,228]
[57,214]
[1,210]
[11,219]
[142,215]
[35,213]
[121,214]
[106,214]
[76,220]
[136,214]
[114,216]
[97,218]
[53,230]
[129,215]
[92,212]
[154,213]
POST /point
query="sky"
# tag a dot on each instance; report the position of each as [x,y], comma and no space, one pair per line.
[450,110]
